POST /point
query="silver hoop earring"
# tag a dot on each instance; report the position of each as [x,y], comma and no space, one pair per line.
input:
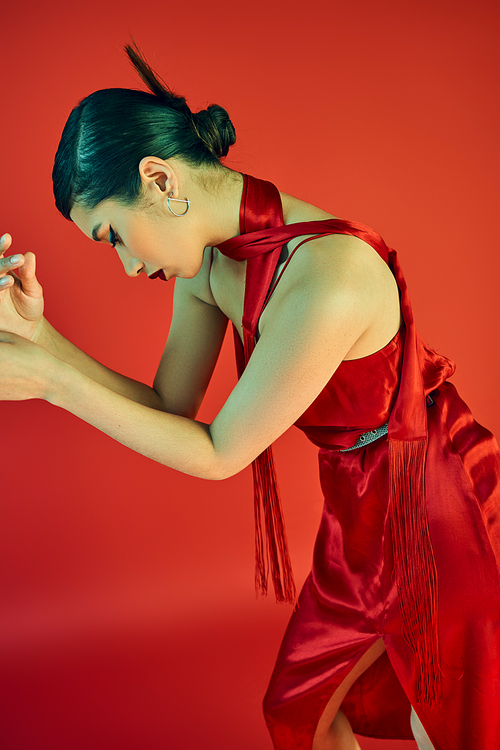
[177,200]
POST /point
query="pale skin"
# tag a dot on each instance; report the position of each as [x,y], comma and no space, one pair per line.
[336,300]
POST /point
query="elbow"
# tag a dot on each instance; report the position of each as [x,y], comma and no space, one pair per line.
[224,460]
[175,406]
[221,466]
[220,470]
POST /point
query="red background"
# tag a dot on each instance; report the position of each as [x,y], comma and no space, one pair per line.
[128,618]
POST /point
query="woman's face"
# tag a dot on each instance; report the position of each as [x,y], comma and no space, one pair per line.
[146,240]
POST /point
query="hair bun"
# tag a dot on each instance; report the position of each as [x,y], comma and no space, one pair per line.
[215,129]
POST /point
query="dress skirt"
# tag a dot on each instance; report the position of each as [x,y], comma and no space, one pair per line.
[350,599]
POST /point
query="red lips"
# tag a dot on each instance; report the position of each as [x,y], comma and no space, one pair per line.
[159,275]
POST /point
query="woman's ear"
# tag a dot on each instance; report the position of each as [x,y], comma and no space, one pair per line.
[157,176]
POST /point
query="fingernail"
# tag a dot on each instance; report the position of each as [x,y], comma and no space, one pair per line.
[15,258]
[4,281]
[2,239]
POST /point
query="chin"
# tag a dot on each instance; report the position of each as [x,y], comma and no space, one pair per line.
[189,273]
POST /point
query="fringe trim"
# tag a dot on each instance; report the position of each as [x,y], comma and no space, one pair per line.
[415,566]
[271,548]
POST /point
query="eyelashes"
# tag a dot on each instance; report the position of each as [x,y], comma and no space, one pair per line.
[113,239]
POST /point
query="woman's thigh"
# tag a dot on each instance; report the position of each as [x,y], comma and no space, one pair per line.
[333,705]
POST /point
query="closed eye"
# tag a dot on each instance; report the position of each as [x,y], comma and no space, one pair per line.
[113,237]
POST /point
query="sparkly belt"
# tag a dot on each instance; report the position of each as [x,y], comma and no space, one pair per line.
[369,437]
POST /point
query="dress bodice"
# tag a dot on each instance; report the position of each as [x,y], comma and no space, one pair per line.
[362,392]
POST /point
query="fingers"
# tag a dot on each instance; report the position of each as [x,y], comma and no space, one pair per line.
[5,243]
[13,261]
[31,285]
[25,265]
[7,265]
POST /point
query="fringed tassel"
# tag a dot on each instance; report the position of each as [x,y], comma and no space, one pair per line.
[415,567]
[271,552]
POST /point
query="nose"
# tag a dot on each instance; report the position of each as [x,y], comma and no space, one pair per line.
[131,265]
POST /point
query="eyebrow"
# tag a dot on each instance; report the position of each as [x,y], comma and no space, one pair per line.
[94,233]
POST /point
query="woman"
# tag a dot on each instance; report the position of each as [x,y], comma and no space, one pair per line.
[398,622]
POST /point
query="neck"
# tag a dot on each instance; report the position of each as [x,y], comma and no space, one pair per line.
[222,204]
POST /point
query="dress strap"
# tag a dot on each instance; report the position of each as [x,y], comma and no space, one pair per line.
[262,249]
[271,291]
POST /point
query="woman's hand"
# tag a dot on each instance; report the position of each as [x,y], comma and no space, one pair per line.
[25,368]
[21,296]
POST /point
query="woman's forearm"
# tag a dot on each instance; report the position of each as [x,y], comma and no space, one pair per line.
[55,343]
[181,443]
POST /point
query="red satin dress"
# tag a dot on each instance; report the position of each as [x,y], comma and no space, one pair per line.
[350,598]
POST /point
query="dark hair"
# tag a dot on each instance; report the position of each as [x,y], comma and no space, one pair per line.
[110,131]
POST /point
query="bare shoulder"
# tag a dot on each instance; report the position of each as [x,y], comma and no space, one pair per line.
[340,275]
[344,260]
[342,257]
[295,210]
[337,260]
[334,265]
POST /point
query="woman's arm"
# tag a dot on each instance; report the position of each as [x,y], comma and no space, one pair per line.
[21,312]
[186,366]
[192,349]
[188,360]
[54,342]
[318,312]
[316,319]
